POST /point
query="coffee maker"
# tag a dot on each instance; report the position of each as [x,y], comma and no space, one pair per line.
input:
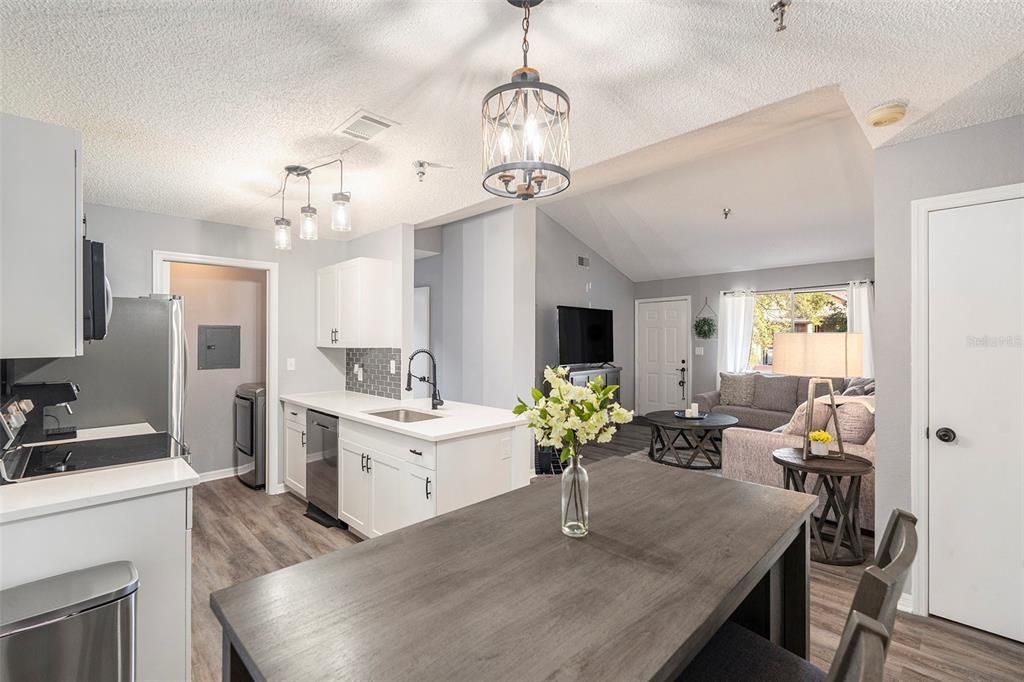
[42,395]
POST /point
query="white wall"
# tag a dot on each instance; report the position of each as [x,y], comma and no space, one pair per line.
[130,237]
[560,282]
[981,156]
[486,321]
[704,369]
[222,296]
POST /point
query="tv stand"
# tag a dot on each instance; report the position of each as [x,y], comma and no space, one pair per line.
[581,375]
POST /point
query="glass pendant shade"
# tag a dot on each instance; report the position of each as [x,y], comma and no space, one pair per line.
[282,234]
[341,217]
[525,138]
[308,228]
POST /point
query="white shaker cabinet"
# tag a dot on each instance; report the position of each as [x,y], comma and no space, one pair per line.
[295,448]
[327,321]
[390,480]
[41,266]
[358,305]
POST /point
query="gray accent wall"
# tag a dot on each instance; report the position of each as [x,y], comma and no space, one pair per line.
[130,237]
[429,272]
[561,282]
[977,157]
[704,369]
[378,379]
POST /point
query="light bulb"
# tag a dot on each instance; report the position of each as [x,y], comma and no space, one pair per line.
[282,234]
[308,223]
[341,217]
[531,140]
[506,145]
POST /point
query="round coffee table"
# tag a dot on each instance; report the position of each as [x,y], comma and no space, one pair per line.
[844,546]
[699,435]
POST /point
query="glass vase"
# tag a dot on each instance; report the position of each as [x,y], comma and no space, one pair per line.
[575,499]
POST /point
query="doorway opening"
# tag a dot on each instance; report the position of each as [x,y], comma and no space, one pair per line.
[231,327]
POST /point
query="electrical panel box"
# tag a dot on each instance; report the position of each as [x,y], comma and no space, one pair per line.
[219,346]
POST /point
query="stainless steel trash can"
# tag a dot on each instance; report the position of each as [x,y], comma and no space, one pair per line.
[74,626]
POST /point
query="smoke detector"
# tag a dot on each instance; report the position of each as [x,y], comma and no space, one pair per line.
[887,114]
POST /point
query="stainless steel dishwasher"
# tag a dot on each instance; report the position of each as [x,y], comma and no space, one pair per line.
[74,626]
[322,468]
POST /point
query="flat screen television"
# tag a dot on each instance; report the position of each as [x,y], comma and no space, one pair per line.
[584,335]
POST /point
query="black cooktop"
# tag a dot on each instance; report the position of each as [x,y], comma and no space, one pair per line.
[96,454]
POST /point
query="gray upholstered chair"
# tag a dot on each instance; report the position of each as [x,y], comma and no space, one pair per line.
[735,653]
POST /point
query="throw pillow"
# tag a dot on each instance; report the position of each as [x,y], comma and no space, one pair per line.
[737,389]
[776,393]
[856,423]
[819,420]
[860,386]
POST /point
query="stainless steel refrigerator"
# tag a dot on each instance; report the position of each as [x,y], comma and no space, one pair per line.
[135,374]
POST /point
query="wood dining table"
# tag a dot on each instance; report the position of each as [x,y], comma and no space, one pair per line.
[495,591]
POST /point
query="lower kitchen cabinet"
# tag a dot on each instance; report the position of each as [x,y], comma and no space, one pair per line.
[418,493]
[295,457]
[390,481]
[354,489]
[387,506]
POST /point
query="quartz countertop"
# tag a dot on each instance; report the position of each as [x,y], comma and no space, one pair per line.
[32,498]
[456,420]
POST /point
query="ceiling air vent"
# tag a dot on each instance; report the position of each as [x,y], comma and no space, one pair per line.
[583,261]
[364,126]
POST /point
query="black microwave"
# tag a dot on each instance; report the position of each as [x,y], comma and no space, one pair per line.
[95,291]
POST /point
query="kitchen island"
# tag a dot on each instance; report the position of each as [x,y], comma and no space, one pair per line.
[395,462]
[494,591]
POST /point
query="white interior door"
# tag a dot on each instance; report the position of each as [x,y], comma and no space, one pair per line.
[662,348]
[976,389]
[421,334]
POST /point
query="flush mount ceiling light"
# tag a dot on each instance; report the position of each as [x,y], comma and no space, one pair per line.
[887,114]
[341,219]
[525,131]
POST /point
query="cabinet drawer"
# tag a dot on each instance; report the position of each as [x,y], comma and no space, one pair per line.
[419,452]
[294,413]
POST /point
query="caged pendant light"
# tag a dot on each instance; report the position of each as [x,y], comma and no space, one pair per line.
[309,229]
[525,131]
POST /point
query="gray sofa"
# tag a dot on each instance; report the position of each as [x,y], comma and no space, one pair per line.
[775,398]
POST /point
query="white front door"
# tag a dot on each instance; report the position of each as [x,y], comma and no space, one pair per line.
[663,349]
[976,416]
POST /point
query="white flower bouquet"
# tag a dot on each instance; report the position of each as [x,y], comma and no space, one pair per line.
[570,417]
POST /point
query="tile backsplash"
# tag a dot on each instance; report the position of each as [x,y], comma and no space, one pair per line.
[377,377]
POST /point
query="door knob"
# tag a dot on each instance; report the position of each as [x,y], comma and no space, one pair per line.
[946,434]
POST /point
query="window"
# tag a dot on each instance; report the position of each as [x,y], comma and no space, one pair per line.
[793,311]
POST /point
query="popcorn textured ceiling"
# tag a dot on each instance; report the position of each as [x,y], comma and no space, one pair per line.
[192,107]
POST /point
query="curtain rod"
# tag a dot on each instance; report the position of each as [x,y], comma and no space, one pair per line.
[837,285]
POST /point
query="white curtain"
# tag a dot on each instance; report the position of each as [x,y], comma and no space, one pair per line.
[860,316]
[736,324]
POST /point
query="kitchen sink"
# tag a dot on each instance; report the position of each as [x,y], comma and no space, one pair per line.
[405,416]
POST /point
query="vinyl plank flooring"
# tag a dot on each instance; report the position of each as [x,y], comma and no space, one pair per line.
[240,533]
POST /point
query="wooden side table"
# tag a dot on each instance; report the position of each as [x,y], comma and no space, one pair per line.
[843,547]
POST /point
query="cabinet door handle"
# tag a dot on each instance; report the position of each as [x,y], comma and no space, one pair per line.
[303,439]
[362,463]
[416,452]
[368,467]
[294,414]
[427,487]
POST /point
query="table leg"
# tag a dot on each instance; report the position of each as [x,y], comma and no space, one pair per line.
[233,669]
[778,608]
[795,599]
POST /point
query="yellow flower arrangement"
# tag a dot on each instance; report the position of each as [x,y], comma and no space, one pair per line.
[820,437]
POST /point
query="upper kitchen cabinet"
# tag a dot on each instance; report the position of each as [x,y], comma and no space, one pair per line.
[41,265]
[357,305]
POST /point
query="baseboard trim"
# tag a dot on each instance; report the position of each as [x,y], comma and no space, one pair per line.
[228,472]
[906,603]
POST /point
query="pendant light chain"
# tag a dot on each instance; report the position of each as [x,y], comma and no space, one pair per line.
[526,31]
